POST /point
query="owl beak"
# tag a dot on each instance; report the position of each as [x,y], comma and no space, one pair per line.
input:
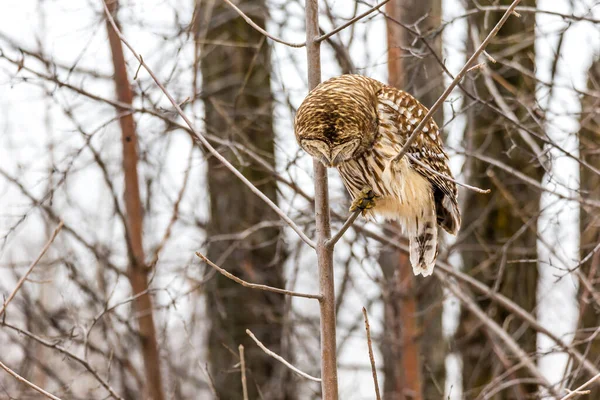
[326,160]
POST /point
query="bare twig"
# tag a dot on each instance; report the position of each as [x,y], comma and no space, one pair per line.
[69,354]
[280,359]
[202,140]
[331,242]
[455,81]
[422,164]
[243,369]
[31,267]
[353,20]
[261,30]
[498,331]
[579,390]
[255,285]
[30,384]
[371,357]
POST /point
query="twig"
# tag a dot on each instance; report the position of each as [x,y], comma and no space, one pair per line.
[331,242]
[261,30]
[473,188]
[25,381]
[243,368]
[371,357]
[499,332]
[200,138]
[280,359]
[31,267]
[67,353]
[256,285]
[347,24]
[318,39]
[580,390]
[455,81]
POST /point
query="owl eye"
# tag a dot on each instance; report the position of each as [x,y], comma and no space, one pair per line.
[317,149]
[344,151]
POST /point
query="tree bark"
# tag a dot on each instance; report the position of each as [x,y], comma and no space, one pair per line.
[137,271]
[589,151]
[494,224]
[414,348]
[238,106]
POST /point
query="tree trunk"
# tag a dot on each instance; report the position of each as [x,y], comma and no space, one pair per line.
[137,271]
[238,107]
[413,346]
[589,151]
[494,224]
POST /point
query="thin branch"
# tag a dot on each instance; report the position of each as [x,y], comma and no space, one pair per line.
[200,138]
[31,267]
[243,368]
[579,390]
[499,332]
[371,357]
[429,169]
[347,24]
[256,285]
[25,381]
[281,359]
[331,242]
[455,81]
[68,354]
[261,30]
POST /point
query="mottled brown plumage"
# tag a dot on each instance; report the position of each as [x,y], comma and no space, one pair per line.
[357,125]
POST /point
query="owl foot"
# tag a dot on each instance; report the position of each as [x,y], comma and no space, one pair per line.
[364,201]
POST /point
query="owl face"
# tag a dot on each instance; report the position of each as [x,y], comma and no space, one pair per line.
[331,154]
[337,121]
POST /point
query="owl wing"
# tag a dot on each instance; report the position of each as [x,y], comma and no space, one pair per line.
[402,113]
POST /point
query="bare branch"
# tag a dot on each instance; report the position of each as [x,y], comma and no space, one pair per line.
[331,242]
[497,330]
[422,164]
[31,267]
[30,384]
[243,369]
[201,139]
[371,357]
[281,359]
[347,24]
[579,390]
[455,81]
[261,30]
[255,285]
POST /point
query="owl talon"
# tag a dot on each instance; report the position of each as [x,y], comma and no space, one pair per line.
[364,201]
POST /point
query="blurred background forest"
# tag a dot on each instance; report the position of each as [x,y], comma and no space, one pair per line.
[98,168]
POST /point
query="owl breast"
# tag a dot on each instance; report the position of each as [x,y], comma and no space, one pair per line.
[403,193]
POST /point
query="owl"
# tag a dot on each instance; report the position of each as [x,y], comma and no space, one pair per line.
[358,125]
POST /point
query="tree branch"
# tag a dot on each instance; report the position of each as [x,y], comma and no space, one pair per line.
[266,288]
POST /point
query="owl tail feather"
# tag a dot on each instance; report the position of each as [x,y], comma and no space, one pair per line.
[423,244]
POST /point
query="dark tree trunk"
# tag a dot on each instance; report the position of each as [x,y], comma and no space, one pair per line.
[589,151]
[413,346]
[501,227]
[238,107]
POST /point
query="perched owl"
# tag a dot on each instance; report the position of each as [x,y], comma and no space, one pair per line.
[358,125]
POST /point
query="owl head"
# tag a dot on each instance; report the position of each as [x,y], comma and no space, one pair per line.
[337,121]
